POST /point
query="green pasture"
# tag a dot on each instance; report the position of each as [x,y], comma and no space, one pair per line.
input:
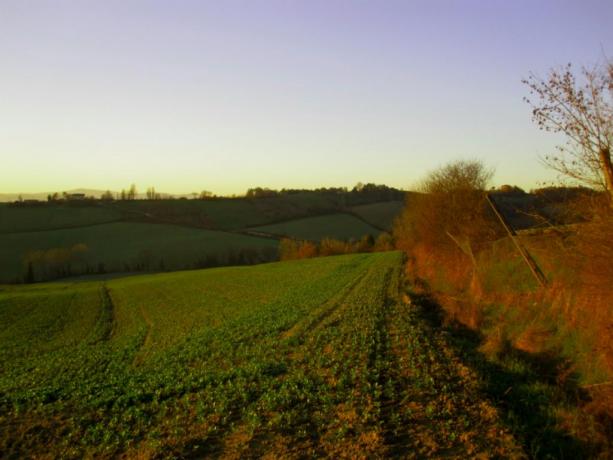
[122,245]
[339,226]
[380,215]
[230,214]
[48,217]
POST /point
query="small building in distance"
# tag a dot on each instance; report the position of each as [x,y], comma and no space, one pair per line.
[75,196]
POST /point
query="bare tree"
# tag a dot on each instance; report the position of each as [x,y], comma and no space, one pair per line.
[450,219]
[451,201]
[151,195]
[453,205]
[582,109]
[132,192]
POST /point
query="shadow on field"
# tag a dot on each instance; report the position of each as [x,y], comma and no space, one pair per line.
[525,387]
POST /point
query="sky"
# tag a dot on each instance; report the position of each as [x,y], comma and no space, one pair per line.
[226,95]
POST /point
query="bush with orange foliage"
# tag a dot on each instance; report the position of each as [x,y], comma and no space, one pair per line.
[479,279]
[449,222]
[293,249]
[290,249]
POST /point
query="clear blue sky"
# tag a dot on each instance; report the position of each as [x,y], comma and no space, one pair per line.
[223,95]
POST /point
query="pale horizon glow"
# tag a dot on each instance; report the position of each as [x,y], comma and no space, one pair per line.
[223,96]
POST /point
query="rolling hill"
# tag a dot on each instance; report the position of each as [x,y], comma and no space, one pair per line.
[380,215]
[126,246]
[339,226]
[171,234]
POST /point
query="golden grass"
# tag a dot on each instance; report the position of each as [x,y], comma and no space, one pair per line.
[572,317]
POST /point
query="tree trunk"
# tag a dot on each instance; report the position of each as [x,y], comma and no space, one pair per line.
[607,169]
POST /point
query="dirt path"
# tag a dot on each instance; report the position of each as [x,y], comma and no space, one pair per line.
[444,412]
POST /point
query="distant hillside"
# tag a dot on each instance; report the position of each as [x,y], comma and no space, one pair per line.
[125,246]
[68,237]
[263,207]
[380,215]
[541,207]
[338,226]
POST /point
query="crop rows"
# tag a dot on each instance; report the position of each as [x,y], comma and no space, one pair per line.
[306,358]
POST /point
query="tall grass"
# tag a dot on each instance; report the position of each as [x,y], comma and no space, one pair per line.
[569,322]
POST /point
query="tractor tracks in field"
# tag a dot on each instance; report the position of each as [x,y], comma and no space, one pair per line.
[383,356]
[293,354]
[146,341]
[300,330]
[106,322]
[403,428]
[442,410]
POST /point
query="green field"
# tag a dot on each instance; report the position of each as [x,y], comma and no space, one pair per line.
[380,215]
[149,235]
[298,359]
[220,214]
[231,214]
[47,217]
[339,226]
[122,245]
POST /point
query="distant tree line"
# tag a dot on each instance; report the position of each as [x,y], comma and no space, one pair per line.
[359,193]
[564,193]
[553,193]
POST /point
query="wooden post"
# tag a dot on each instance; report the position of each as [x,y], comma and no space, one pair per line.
[536,271]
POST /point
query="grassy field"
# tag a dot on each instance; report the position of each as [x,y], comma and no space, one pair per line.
[223,214]
[340,226]
[219,214]
[170,234]
[37,218]
[122,245]
[380,215]
[314,358]
[232,214]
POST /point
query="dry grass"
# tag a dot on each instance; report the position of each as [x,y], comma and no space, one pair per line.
[533,339]
[496,343]
[571,318]
[564,328]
